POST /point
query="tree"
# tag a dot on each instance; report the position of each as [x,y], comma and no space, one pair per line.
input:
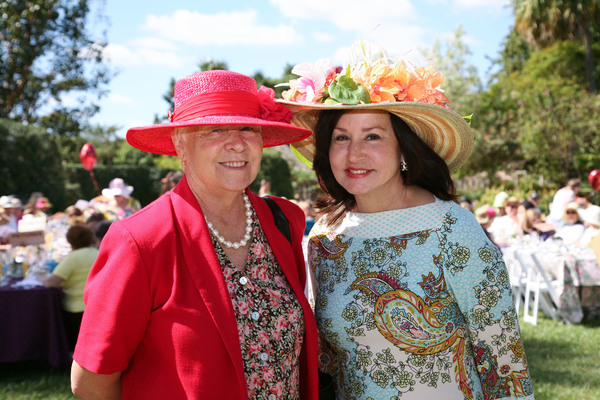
[513,56]
[275,169]
[539,118]
[287,76]
[461,84]
[461,81]
[544,22]
[47,54]
[30,162]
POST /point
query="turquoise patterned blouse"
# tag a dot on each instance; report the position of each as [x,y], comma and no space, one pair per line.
[416,304]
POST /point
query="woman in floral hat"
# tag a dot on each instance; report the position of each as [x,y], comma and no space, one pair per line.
[200,295]
[413,300]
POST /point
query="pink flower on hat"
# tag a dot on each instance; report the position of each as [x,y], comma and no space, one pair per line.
[312,82]
[271,110]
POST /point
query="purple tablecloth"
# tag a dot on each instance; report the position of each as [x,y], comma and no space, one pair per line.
[31,326]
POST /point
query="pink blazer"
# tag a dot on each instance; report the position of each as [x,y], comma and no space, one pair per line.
[157,307]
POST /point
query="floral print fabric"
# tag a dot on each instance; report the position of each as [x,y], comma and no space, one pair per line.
[270,320]
[416,304]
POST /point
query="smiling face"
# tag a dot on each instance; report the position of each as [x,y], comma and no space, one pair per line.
[219,159]
[571,216]
[365,156]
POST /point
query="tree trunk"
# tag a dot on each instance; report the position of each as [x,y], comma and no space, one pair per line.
[589,60]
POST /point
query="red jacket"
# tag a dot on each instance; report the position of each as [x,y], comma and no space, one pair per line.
[158,309]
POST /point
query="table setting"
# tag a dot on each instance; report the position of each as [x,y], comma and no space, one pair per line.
[568,278]
[31,318]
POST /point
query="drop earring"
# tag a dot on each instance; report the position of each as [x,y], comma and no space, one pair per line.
[403,166]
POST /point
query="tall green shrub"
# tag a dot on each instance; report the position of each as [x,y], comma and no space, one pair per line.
[30,162]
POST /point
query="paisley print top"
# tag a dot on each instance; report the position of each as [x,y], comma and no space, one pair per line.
[270,320]
[416,304]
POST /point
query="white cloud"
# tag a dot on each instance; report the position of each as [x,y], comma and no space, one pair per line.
[350,15]
[225,28]
[121,55]
[391,24]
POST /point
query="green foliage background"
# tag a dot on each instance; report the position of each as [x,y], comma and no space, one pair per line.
[29,162]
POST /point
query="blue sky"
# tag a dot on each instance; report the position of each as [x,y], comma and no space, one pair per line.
[151,42]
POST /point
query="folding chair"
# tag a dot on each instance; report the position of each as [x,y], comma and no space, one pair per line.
[517,274]
[539,286]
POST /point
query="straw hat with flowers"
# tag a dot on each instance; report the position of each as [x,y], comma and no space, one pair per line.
[413,95]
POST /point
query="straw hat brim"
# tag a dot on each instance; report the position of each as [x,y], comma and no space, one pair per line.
[157,138]
[446,132]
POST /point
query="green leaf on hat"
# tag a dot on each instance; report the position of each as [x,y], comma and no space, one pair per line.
[344,90]
[304,160]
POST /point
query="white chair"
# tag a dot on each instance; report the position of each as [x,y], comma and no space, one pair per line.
[517,274]
[539,287]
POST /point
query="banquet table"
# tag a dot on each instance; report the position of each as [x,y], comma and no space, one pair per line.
[577,277]
[31,325]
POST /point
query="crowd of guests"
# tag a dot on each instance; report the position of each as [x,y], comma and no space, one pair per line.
[572,219]
[81,227]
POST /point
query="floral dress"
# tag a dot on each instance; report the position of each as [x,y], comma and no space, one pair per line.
[416,304]
[270,320]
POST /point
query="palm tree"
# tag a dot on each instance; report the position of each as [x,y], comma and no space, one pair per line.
[543,22]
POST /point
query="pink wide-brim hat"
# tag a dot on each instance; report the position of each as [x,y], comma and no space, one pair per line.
[219,98]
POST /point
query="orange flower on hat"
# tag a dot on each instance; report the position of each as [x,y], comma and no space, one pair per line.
[403,79]
[379,80]
[424,85]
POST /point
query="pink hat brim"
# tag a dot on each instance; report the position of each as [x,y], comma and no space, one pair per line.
[157,138]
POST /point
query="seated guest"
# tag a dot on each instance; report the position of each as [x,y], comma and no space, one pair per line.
[120,202]
[92,221]
[170,181]
[485,215]
[71,274]
[591,221]
[572,229]
[532,202]
[11,213]
[533,225]
[100,230]
[506,229]
[466,203]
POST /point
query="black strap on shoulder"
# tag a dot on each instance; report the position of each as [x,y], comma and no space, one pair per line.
[280,219]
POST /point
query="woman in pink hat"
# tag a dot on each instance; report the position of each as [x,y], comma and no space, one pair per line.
[200,295]
[413,300]
[120,204]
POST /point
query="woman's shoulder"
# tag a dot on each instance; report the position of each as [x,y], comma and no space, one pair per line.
[289,208]
[150,221]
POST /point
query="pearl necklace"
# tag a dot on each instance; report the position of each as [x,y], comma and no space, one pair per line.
[247,236]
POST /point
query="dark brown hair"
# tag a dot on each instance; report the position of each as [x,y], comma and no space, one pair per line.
[426,168]
[80,236]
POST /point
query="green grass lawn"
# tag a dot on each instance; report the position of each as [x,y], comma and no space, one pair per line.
[33,380]
[564,361]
